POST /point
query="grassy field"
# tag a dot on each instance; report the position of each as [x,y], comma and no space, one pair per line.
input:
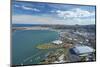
[47,46]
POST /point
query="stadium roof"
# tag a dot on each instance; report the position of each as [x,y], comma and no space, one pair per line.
[83,49]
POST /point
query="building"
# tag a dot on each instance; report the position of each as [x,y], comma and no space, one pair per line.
[82,50]
[61,59]
[57,42]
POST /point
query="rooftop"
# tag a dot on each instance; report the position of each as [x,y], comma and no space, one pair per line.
[57,42]
[83,49]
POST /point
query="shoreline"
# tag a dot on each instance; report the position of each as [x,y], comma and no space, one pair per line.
[34,28]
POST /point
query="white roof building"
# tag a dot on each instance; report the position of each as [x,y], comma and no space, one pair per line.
[83,50]
[57,42]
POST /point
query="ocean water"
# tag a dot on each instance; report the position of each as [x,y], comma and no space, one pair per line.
[24,44]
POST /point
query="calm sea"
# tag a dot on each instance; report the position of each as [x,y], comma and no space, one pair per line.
[24,44]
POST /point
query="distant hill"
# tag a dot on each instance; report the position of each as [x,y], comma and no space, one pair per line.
[88,28]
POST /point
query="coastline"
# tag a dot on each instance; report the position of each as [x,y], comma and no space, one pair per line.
[69,37]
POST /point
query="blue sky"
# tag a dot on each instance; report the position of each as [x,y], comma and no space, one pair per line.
[50,13]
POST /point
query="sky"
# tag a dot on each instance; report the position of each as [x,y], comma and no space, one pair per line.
[52,13]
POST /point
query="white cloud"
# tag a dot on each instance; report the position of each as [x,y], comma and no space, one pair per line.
[74,13]
[16,5]
[29,19]
[27,8]
[36,9]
